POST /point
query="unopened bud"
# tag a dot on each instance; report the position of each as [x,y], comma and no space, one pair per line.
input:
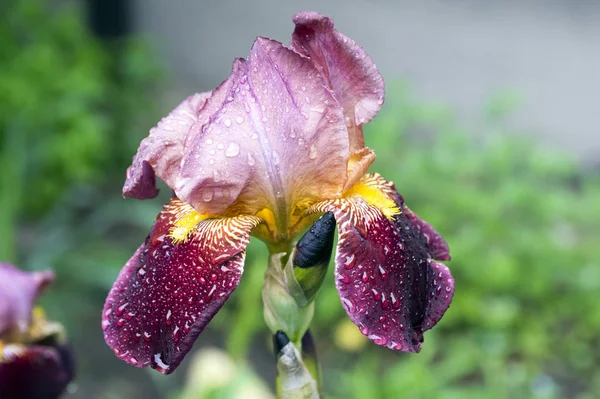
[307,268]
[280,309]
[294,381]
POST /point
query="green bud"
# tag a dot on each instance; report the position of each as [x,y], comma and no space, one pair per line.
[294,381]
[307,268]
[280,308]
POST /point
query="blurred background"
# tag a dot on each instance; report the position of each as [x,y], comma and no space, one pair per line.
[490,130]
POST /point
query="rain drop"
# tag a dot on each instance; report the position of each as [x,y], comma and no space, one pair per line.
[313,152]
[207,195]
[232,150]
[349,305]
[251,161]
[239,119]
[275,158]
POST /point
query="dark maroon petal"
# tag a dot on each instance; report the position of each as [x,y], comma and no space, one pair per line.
[34,372]
[388,284]
[436,246]
[18,292]
[168,292]
[350,72]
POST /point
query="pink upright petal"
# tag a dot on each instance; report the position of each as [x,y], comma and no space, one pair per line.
[18,292]
[278,139]
[350,72]
[389,286]
[168,292]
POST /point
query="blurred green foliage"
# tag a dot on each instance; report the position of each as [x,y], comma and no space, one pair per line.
[68,105]
[522,223]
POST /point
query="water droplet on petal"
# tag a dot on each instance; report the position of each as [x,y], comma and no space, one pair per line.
[251,161]
[313,152]
[211,161]
[239,119]
[227,122]
[275,158]
[349,305]
[232,150]
[207,195]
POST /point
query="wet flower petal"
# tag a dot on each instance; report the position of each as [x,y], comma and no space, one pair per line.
[160,152]
[278,138]
[350,72]
[358,164]
[388,284]
[168,292]
[436,245]
[35,371]
[18,292]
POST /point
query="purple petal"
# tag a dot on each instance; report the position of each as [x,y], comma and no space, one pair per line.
[436,245]
[350,72]
[279,138]
[34,372]
[168,292]
[18,292]
[388,284]
[160,152]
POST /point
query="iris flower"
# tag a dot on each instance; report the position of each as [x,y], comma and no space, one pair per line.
[35,360]
[274,147]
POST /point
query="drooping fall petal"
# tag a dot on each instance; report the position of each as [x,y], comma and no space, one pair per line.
[278,139]
[350,72]
[436,245]
[18,292]
[389,286]
[34,372]
[171,288]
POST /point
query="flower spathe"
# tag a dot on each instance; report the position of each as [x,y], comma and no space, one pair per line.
[277,144]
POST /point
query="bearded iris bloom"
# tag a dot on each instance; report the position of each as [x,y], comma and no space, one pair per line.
[35,360]
[274,147]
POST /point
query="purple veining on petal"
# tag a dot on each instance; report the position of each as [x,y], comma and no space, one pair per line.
[278,138]
[167,293]
[350,72]
[18,292]
[35,371]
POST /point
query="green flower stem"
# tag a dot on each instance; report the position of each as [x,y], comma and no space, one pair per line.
[295,378]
